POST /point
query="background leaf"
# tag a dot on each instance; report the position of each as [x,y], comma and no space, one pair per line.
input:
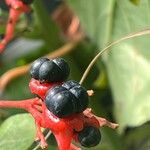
[138,138]
[17,132]
[136,2]
[128,64]
[99,23]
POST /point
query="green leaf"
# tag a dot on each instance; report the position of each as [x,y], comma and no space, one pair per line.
[96,18]
[138,138]
[48,27]
[17,89]
[136,2]
[128,64]
[17,132]
[21,87]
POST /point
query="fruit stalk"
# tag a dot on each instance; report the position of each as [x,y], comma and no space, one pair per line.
[23,104]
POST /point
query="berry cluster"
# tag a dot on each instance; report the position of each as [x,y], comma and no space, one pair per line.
[46,70]
[16,8]
[61,106]
[67,99]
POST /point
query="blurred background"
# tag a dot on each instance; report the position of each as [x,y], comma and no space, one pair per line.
[77,30]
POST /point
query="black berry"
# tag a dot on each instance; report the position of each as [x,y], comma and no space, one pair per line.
[82,99]
[67,99]
[34,70]
[60,102]
[53,70]
[89,137]
[63,66]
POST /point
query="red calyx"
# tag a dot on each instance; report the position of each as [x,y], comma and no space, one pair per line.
[40,89]
[65,130]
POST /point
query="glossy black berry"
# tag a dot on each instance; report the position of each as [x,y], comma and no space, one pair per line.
[89,137]
[80,93]
[53,70]
[60,102]
[28,2]
[64,68]
[67,99]
[34,70]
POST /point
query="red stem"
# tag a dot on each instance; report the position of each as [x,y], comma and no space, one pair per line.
[23,104]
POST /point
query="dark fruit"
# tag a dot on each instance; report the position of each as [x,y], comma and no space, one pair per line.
[34,70]
[64,68]
[53,70]
[67,99]
[60,102]
[89,137]
[79,92]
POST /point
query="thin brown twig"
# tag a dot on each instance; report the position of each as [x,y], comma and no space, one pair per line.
[46,137]
[132,35]
[18,71]
[11,74]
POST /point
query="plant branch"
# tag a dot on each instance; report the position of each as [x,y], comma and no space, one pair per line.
[23,104]
[46,137]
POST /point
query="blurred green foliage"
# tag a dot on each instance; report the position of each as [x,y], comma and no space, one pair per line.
[128,62]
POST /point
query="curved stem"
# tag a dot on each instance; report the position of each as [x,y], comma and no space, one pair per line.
[132,35]
[23,104]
